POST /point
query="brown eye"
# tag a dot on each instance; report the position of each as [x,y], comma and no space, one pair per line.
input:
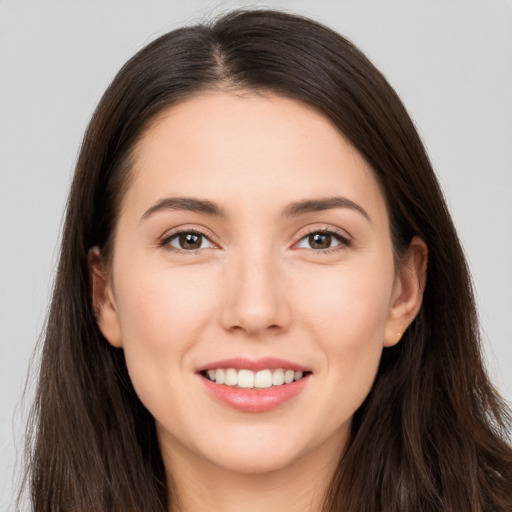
[188,241]
[320,240]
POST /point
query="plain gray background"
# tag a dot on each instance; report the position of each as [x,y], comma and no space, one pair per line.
[450,61]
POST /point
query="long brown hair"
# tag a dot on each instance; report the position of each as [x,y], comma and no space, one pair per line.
[432,434]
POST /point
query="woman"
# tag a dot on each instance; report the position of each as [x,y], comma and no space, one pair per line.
[242,317]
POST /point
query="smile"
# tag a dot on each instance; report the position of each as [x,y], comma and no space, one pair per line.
[254,386]
[248,379]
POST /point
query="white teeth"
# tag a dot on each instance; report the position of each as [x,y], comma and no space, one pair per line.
[289,375]
[231,377]
[245,379]
[263,379]
[219,376]
[248,379]
[278,377]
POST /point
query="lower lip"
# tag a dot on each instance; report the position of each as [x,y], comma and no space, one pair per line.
[254,400]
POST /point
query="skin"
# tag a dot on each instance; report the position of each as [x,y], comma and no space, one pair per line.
[256,287]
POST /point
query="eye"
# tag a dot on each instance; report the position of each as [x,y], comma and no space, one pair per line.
[322,240]
[187,241]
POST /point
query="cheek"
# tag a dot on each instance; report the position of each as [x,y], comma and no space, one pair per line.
[161,314]
[157,306]
[351,305]
[348,319]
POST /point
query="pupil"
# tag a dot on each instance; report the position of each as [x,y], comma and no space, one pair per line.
[190,241]
[320,241]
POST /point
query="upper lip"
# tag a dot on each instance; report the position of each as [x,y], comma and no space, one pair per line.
[244,363]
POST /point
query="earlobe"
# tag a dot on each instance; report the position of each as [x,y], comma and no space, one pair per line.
[408,291]
[103,298]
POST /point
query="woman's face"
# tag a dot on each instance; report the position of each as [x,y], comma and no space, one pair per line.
[253,243]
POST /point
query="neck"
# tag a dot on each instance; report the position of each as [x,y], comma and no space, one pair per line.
[198,485]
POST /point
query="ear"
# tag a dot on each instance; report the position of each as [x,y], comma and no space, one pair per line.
[103,299]
[407,291]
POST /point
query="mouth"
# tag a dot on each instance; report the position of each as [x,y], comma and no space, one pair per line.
[248,379]
[254,386]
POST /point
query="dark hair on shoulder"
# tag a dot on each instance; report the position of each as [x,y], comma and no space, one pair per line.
[433,432]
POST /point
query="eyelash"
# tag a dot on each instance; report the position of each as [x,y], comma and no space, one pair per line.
[339,236]
[165,242]
[344,241]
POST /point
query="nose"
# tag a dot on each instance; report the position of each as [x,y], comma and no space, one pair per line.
[255,301]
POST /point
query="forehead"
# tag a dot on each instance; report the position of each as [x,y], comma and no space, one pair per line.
[227,146]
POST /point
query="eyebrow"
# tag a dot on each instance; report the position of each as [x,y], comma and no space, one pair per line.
[292,210]
[185,203]
[326,203]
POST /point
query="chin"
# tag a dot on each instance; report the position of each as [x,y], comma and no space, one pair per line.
[260,450]
[254,461]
